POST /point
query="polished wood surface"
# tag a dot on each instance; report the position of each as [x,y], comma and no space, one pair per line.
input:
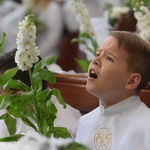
[72,88]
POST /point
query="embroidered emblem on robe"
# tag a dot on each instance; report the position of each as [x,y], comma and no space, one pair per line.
[102,139]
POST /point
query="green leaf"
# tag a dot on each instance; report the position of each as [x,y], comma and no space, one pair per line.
[16,84]
[42,63]
[7,100]
[14,111]
[84,64]
[52,109]
[61,132]
[1,98]
[85,35]
[73,146]
[78,40]
[95,46]
[57,93]
[50,119]
[47,117]
[11,124]
[10,73]
[28,122]
[45,75]
[12,138]
[2,41]
[90,50]
[1,1]
[4,80]
[49,60]
[43,96]
[28,96]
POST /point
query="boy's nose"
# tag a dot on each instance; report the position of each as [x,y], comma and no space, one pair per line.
[95,61]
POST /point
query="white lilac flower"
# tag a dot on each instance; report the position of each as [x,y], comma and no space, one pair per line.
[117,11]
[82,15]
[142,14]
[40,142]
[57,143]
[27,52]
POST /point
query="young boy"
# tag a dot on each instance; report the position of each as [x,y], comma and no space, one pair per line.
[119,71]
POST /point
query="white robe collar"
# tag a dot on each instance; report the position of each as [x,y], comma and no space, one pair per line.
[113,113]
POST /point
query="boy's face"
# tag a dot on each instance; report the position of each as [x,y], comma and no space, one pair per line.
[108,74]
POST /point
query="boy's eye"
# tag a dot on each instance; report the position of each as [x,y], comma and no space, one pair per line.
[109,58]
[97,54]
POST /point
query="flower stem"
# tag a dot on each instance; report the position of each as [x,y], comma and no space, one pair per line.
[38,120]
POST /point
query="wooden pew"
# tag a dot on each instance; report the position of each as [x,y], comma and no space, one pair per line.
[72,88]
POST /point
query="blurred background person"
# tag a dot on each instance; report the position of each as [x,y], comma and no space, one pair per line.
[48,21]
[6,7]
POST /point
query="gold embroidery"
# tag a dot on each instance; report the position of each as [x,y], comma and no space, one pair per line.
[102,139]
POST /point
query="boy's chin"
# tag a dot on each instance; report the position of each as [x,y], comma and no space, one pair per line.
[88,88]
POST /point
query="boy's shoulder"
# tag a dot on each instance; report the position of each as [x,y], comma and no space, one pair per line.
[92,114]
[139,116]
[143,109]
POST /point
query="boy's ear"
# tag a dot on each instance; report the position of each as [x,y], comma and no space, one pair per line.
[133,81]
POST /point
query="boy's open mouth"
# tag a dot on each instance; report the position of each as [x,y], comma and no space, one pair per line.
[92,74]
